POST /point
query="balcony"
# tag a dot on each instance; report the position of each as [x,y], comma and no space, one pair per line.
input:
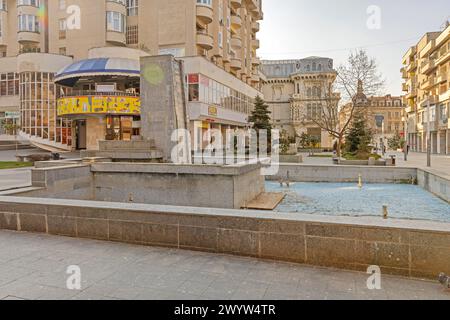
[255,43]
[256,61]
[442,77]
[26,37]
[411,94]
[236,22]
[98,103]
[405,87]
[118,38]
[236,64]
[204,40]
[429,83]
[205,14]
[443,58]
[236,4]
[236,42]
[255,77]
[432,100]
[427,66]
[404,73]
[412,66]
[255,26]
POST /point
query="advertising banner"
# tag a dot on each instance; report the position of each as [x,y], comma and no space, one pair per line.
[99,105]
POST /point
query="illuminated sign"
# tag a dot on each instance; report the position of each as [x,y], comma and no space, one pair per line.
[99,105]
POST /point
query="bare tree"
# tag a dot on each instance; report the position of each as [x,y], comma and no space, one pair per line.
[360,72]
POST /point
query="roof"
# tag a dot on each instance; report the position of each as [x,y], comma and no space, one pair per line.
[97,67]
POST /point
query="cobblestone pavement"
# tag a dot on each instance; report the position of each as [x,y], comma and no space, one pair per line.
[34,267]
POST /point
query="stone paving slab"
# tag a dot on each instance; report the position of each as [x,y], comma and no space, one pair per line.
[33,266]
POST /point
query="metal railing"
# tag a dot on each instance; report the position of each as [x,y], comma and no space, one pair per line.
[77,93]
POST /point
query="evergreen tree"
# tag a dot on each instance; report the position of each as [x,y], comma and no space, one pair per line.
[359,137]
[260,116]
[396,142]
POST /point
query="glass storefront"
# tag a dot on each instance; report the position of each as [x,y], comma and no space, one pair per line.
[121,128]
[209,91]
[38,108]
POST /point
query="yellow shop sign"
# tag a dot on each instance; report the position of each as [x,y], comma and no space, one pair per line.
[99,105]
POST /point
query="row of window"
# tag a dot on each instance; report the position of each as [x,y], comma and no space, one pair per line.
[211,92]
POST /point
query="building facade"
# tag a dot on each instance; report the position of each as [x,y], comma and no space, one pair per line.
[216,39]
[384,116]
[426,72]
[297,91]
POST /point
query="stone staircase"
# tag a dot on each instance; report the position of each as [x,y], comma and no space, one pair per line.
[129,151]
[11,145]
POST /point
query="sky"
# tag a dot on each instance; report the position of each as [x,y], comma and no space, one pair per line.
[295,29]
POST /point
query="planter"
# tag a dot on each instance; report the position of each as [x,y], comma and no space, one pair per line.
[294,158]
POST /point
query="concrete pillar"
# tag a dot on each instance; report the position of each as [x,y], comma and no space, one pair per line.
[438,143]
[163,104]
[447,142]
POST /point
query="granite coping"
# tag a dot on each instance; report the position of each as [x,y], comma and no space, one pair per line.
[368,222]
[227,170]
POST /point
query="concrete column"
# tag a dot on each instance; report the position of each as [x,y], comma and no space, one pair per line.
[447,142]
[438,142]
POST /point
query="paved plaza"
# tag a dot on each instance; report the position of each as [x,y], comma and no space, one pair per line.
[34,266]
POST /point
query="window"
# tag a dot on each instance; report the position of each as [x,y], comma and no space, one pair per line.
[62,28]
[115,21]
[62,5]
[3,6]
[63,51]
[132,34]
[313,111]
[34,3]
[9,84]
[28,23]
[132,8]
[205,2]
[220,39]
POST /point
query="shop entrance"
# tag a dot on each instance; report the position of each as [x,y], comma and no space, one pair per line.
[81,134]
[119,128]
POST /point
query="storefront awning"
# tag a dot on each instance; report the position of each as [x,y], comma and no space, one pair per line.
[69,75]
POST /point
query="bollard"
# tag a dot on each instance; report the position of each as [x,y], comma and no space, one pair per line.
[385,212]
[360,183]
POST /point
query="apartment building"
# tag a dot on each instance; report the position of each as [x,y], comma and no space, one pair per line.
[426,72]
[216,39]
[384,116]
[296,92]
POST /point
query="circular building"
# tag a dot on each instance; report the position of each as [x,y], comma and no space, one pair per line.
[101,98]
